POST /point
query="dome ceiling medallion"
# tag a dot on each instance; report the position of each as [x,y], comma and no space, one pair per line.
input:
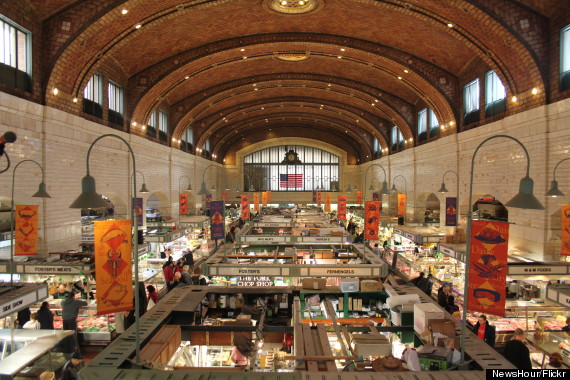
[292,56]
[294,6]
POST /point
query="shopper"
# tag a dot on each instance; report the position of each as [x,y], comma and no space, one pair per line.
[45,317]
[451,306]
[485,331]
[179,266]
[23,317]
[169,275]
[168,262]
[70,310]
[377,250]
[152,294]
[72,367]
[442,296]
[427,285]
[416,281]
[33,323]
[189,257]
[238,358]
[201,280]
[567,327]
[186,278]
[517,352]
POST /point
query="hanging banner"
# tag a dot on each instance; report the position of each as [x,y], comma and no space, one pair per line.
[26,231]
[224,196]
[565,226]
[183,204]
[217,220]
[342,207]
[359,197]
[244,207]
[488,267]
[208,201]
[256,201]
[264,196]
[314,197]
[372,220]
[451,211]
[327,203]
[268,196]
[375,197]
[401,204]
[113,266]
[138,210]
[319,198]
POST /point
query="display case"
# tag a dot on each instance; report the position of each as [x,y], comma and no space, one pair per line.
[550,343]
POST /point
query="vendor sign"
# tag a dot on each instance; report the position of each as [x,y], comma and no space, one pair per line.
[113,266]
[26,231]
[342,207]
[401,204]
[488,267]
[256,201]
[451,211]
[565,226]
[319,198]
[372,221]
[217,220]
[359,197]
[327,203]
[244,207]
[183,205]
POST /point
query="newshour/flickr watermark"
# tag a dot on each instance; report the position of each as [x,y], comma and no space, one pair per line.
[528,373]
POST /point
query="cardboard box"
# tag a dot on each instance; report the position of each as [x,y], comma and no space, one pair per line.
[371,345]
[370,286]
[348,285]
[243,319]
[434,358]
[443,333]
[314,283]
[423,312]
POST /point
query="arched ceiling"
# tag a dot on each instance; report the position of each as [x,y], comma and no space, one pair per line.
[239,72]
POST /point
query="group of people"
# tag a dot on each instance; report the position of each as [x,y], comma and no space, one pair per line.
[425,284]
[351,228]
[180,273]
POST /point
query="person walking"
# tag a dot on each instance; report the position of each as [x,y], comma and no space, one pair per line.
[33,323]
[45,317]
[517,352]
[485,331]
[70,310]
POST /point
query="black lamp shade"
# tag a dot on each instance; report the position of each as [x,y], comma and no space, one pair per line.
[554,191]
[384,190]
[443,189]
[393,188]
[203,189]
[525,198]
[88,197]
[143,189]
[41,193]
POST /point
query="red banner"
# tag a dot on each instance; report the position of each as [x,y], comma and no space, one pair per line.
[224,196]
[256,202]
[327,203]
[359,197]
[113,266]
[342,207]
[372,220]
[183,204]
[268,196]
[565,226]
[26,231]
[264,198]
[488,267]
[401,204]
[319,198]
[244,207]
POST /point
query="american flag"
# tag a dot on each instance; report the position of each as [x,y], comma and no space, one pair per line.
[291,181]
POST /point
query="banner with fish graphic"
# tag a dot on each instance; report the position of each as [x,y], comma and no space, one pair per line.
[183,204]
[359,197]
[327,203]
[372,220]
[488,267]
[244,207]
[26,231]
[342,207]
[451,211]
[217,220]
[256,202]
[319,198]
[113,266]
[401,204]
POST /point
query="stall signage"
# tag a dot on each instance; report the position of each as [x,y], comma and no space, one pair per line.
[17,303]
[324,239]
[142,250]
[252,281]
[223,271]
[175,235]
[339,271]
[408,235]
[52,269]
[398,231]
[265,238]
[537,270]
[448,252]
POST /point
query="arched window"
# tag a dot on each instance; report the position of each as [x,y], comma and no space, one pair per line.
[377,149]
[207,148]
[291,168]
[397,139]
[187,140]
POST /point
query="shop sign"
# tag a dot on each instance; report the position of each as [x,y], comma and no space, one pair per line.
[322,239]
[223,271]
[59,269]
[175,235]
[265,239]
[252,281]
[340,271]
[17,303]
[143,249]
[398,231]
[448,252]
[537,269]
[409,236]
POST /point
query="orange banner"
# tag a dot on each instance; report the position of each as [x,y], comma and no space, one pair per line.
[342,207]
[565,226]
[488,267]
[401,204]
[224,196]
[113,266]
[359,197]
[183,204]
[268,196]
[372,220]
[26,231]
[264,198]
[256,201]
[244,207]
[319,198]
[327,203]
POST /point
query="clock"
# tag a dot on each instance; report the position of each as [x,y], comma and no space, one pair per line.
[291,157]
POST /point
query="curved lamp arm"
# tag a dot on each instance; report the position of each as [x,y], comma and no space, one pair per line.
[450,171]
[526,181]
[405,182]
[180,179]
[384,185]
[556,167]
[135,239]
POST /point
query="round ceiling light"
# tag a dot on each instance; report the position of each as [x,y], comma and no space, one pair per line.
[293,6]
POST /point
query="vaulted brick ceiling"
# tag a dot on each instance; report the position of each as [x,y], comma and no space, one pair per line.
[239,72]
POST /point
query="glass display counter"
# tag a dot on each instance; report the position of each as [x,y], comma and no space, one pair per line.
[550,342]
